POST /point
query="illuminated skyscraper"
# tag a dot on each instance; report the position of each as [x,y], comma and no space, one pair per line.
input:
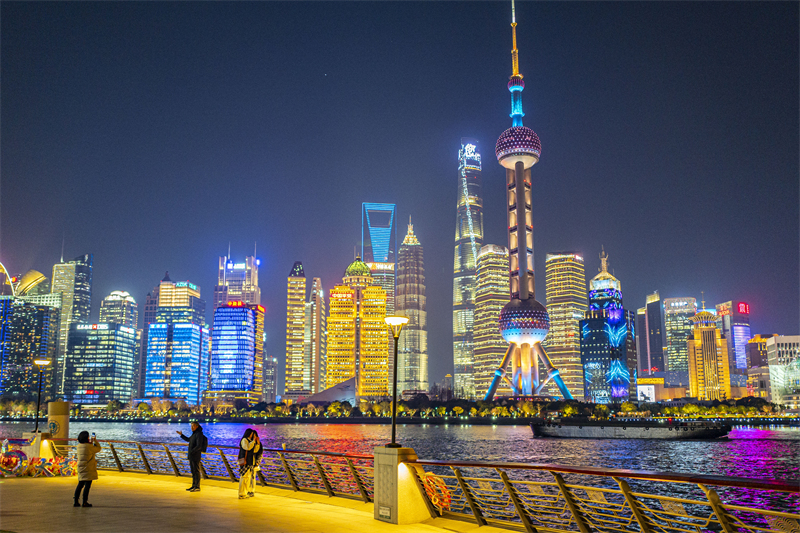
[237,281]
[469,240]
[650,335]
[149,317]
[295,328]
[565,284]
[491,295]
[678,313]
[709,369]
[270,378]
[607,342]
[73,280]
[783,356]
[315,339]
[412,353]
[237,357]
[358,339]
[28,331]
[178,344]
[733,319]
[99,364]
[757,350]
[119,307]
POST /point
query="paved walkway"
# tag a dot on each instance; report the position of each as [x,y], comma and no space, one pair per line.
[132,503]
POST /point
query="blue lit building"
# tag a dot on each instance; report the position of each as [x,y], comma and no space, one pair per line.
[608,342]
[237,357]
[177,361]
[99,363]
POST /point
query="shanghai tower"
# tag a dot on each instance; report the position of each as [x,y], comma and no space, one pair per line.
[469,239]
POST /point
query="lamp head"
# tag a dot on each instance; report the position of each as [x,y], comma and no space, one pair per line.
[41,362]
[396,324]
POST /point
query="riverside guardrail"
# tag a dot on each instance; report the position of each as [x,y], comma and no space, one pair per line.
[535,498]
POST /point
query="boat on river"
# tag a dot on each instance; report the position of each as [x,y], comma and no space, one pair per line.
[575,428]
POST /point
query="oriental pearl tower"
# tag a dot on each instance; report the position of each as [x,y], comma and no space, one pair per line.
[524,322]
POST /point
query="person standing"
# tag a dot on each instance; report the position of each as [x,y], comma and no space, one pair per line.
[87,466]
[197,445]
[250,451]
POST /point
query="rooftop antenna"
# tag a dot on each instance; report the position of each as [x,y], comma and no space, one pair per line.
[62,246]
[703,299]
[255,247]
[229,251]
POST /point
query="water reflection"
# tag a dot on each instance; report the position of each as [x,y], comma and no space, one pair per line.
[749,452]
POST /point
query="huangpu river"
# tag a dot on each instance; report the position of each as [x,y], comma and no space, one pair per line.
[765,452]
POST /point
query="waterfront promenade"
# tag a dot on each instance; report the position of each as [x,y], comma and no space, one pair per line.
[152,504]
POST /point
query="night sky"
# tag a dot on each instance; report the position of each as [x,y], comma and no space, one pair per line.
[153,134]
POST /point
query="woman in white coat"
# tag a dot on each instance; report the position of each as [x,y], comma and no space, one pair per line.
[87,466]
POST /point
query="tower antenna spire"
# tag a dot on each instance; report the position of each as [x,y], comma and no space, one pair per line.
[515,84]
[63,237]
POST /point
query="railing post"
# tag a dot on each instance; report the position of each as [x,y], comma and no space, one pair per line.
[171,460]
[288,472]
[261,476]
[512,493]
[719,509]
[203,470]
[573,508]
[357,478]
[116,457]
[324,478]
[633,503]
[418,473]
[227,465]
[468,496]
[144,459]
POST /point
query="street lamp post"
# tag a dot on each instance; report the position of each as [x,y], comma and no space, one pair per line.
[396,324]
[41,363]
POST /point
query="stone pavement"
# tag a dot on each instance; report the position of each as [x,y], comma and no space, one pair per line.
[126,502]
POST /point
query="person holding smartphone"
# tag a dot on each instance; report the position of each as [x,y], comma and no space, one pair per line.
[250,451]
[87,466]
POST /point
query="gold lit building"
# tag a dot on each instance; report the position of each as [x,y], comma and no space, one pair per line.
[315,340]
[358,339]
[295,328]
[491,294]
[565,279]
[709,371]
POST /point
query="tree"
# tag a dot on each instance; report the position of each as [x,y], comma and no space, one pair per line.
[181,405]
[334,409]
[441,410]
[457,410]
[144,408]
[570,410]
[628,407]
[473,411]
[690,409]
[600,411]
[114,406]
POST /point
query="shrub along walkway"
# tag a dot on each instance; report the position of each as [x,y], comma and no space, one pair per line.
[127,502]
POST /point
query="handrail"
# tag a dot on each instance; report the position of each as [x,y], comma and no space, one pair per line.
[331,454]
[741,482]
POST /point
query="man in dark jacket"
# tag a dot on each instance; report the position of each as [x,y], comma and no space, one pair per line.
[195,453]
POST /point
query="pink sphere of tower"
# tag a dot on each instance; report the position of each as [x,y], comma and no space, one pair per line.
[518,143]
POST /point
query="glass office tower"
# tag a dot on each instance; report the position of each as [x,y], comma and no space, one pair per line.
[28,331]
[295,329]
[73,280]
[177,361]
[565,289]
[412,352]
[100,360]
[468,242]
[119,307]
[678,313]
[237,358]
[491,294]
[237,281]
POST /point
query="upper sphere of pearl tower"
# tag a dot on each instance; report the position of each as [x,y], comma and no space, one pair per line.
[518,143]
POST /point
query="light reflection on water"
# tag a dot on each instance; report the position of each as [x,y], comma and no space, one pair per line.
[749,452]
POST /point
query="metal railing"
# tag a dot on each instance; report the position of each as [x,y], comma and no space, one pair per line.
[532,497]
[334,474]
[540,498]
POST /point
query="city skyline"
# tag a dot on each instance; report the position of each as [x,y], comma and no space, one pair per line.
[590,165]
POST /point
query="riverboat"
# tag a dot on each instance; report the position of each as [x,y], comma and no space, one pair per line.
[628,429]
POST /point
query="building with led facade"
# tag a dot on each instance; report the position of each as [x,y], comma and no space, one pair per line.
[608,342]
[651,338]
[237,353]
[295,329]
[315,339]
[783,356]
[237,281]
[177,361]
[491,294]
[709,368]
[179,301]
[358,339]
[28,331]
[119,307]
[733,319]
[412,352]
[73,280]
[678,313]
[270,378]
[99,365]
[468,242]
[565,289]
